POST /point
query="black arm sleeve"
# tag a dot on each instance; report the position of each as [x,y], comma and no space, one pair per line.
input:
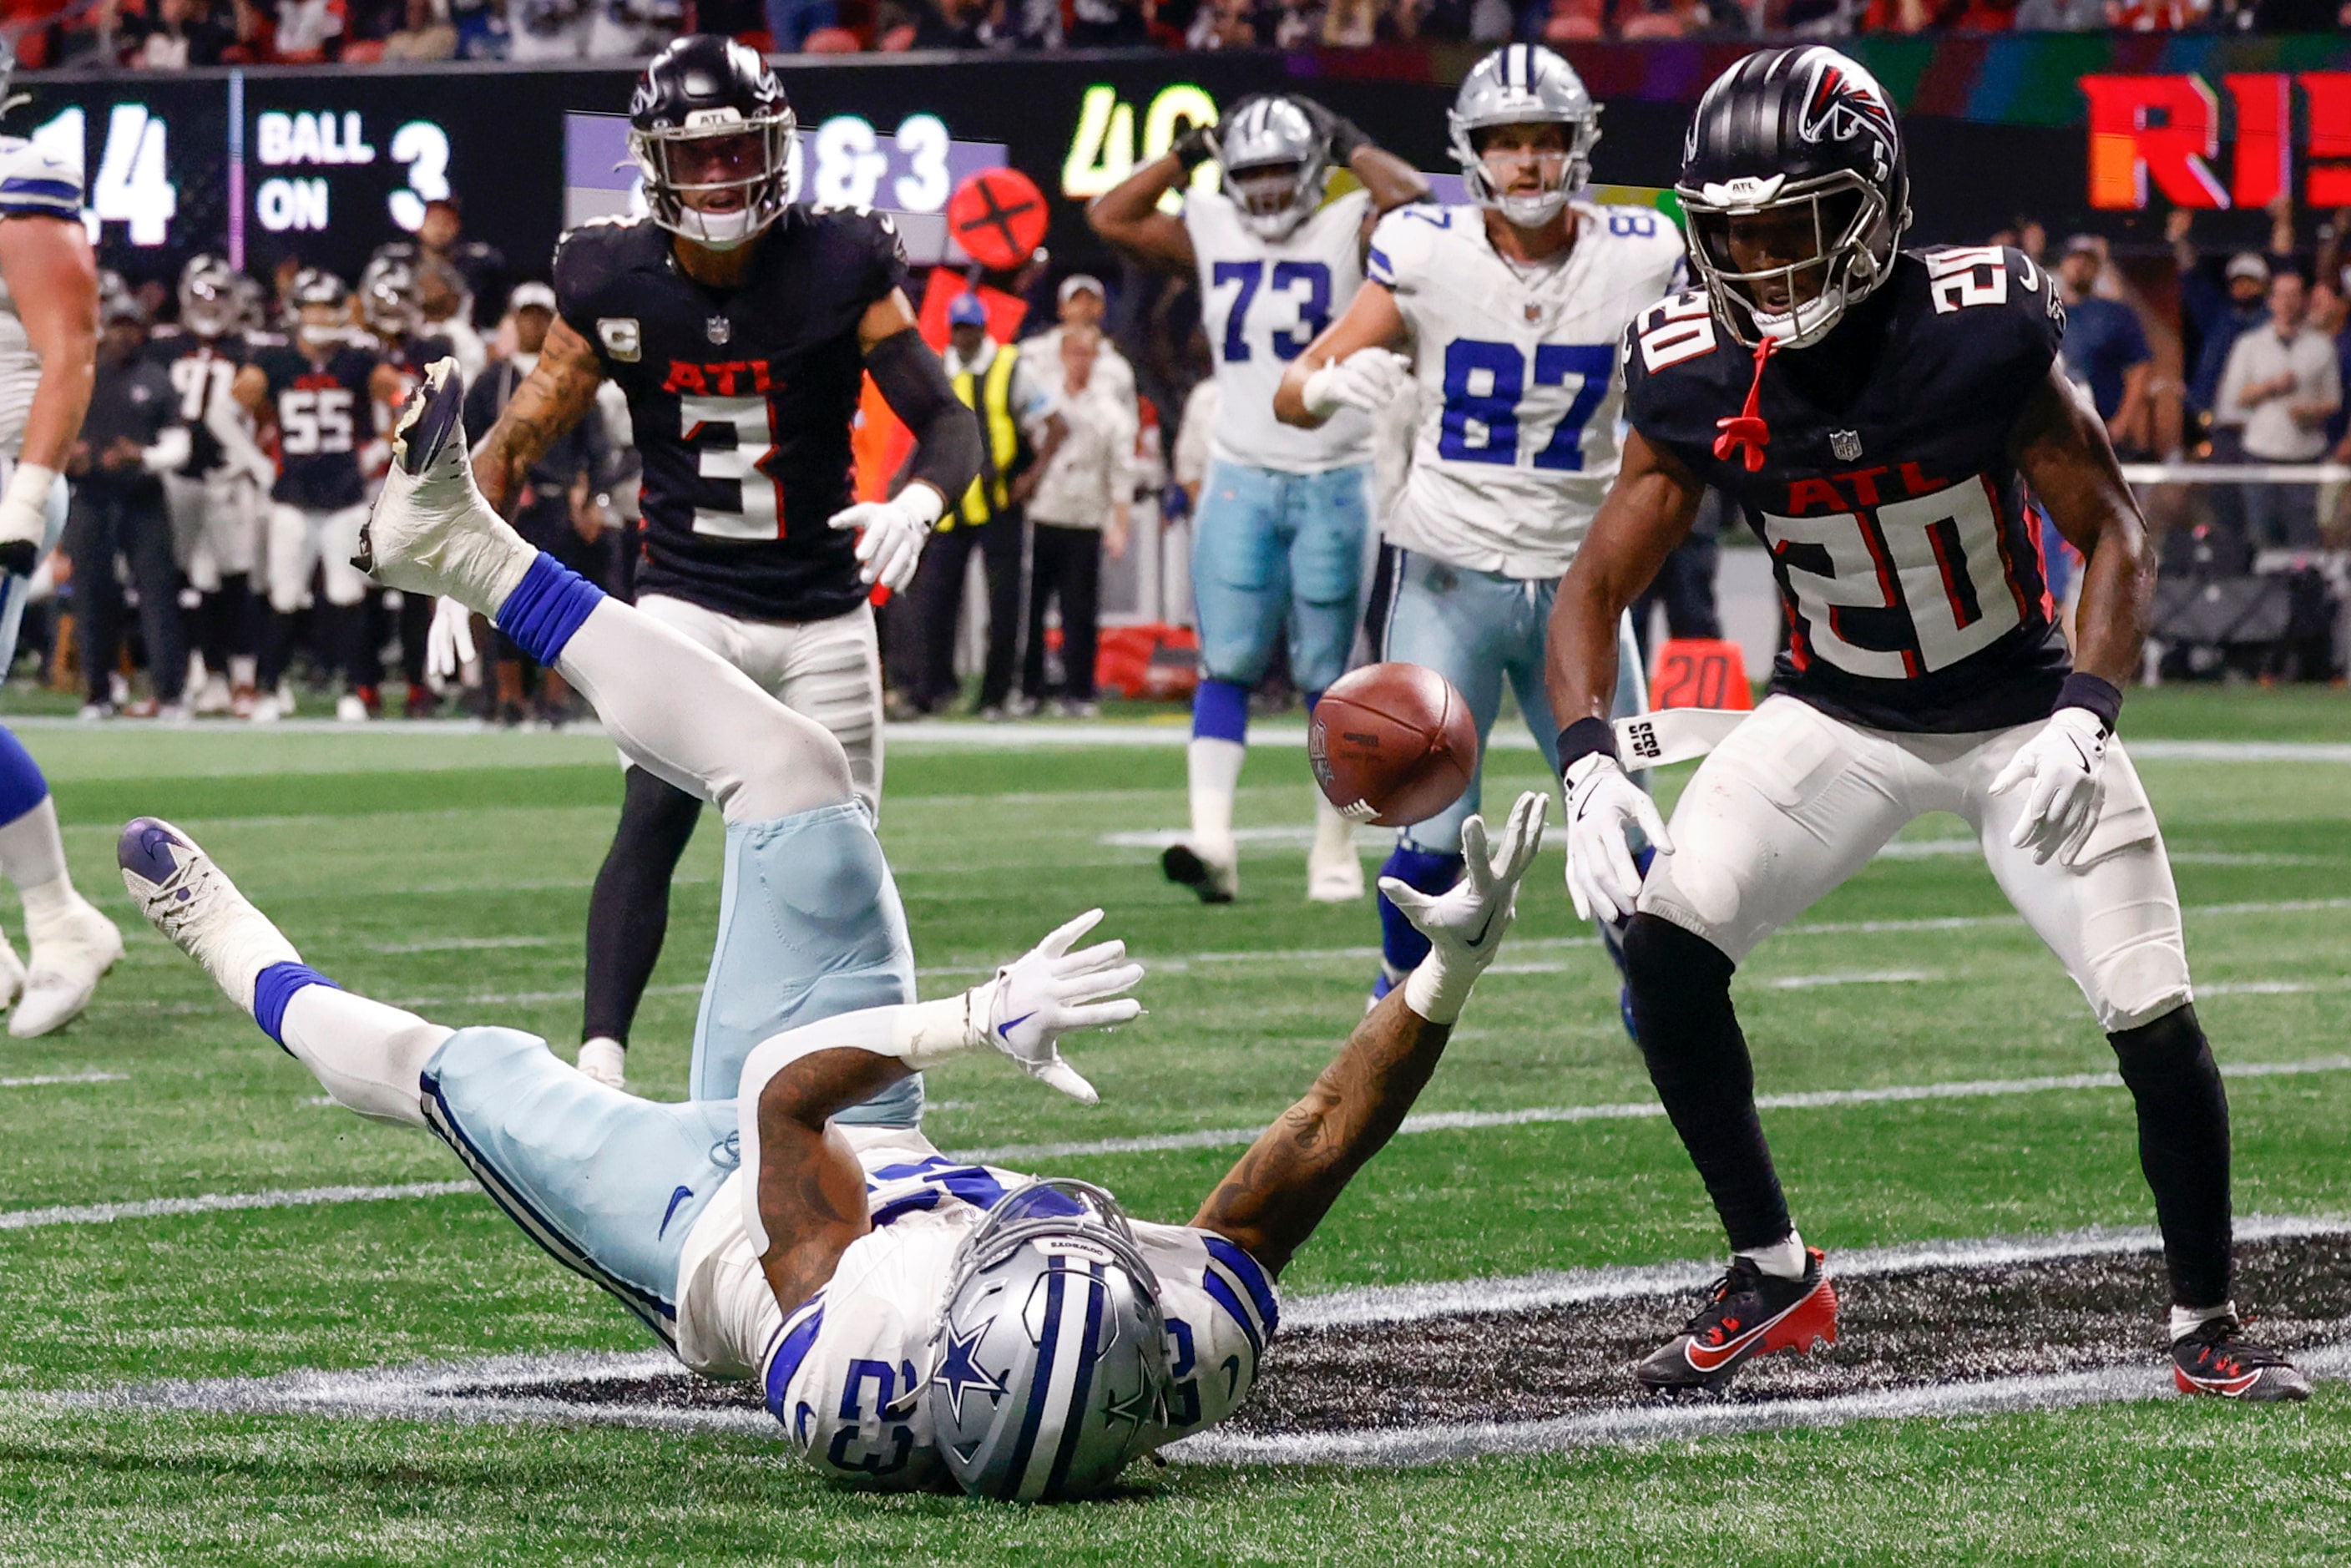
[946,434]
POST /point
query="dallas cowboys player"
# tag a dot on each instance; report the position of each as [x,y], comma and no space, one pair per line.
[911,1319]
[1881,437]
[1279,535]
[1511,309]
[49,357]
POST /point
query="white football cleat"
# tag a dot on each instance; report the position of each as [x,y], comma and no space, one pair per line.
[1212,870]
[351,709]
[12,974]
[188,898]
[1334,878]
[603,1059]
[70,953]
[429,531]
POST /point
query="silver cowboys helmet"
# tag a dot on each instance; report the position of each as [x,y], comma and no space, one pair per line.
[1275,161]
[715,98]
[210,301]
[1049,1368]
[1523,84]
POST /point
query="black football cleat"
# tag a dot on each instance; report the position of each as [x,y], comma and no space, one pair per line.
[2219,1360]
[1747,1313]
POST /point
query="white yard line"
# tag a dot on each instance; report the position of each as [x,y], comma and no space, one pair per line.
[43,1079]
[221,1202]
[1865,977]
[1472,1120]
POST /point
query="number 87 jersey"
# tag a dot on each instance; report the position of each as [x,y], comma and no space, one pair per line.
[1907,556]
[1517,370]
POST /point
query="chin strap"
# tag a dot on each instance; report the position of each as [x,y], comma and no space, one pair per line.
[1746,428]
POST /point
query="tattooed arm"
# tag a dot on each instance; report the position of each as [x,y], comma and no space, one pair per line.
[551,400]
[810,1190]
[1277,1195]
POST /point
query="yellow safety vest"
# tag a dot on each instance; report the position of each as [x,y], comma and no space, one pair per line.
[992,400]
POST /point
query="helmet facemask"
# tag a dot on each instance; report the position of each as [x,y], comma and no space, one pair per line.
[1852,240]
[1565,171]
[1275,198]
[718,153]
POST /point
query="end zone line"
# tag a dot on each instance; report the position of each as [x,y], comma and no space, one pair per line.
[41,1080]
[1468,1121]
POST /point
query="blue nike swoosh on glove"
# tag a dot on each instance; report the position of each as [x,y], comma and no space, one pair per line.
[1004,1031]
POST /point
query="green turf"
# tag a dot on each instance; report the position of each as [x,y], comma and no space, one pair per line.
[451,873]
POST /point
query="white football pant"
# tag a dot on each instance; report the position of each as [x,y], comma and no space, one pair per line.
[300,539]
[1795,802]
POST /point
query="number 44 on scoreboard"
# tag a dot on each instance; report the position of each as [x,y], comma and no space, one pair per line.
[131,186]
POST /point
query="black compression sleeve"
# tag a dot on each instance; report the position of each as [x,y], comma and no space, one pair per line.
[946,434]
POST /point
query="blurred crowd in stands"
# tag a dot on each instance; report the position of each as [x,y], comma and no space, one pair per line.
[170,35]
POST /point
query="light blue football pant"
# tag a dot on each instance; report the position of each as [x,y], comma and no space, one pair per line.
[16,590]
[1479,629]
[810,927]
[1270,546]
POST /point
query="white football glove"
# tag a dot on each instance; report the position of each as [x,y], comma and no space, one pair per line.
[25,518]
[894,533]
[1602,805]
[2064,763]
[449,640]
[1368,379]
[1052,991]
[1464,925]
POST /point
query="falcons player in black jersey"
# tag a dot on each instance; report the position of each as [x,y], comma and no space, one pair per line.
[1881,429]
[321,393]
[739,326]
[389,309]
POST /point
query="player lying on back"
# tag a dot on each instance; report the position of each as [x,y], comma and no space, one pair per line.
[1281,527]
[1881,435]
[1510,311]
[913,1321]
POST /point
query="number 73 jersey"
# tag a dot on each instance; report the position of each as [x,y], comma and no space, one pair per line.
[1517,370]
[1907,557]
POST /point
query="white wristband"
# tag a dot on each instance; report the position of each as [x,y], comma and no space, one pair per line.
[1320,401]
[924,1034]
[24,505]
[1436,995]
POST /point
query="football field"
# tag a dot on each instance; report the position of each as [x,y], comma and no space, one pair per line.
[198,1253]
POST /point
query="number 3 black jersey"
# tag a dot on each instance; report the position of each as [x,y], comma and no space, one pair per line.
[324,417]
[1910,565]
[741,402]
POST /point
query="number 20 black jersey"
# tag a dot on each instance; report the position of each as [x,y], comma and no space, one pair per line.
[1908,562]
[741,400]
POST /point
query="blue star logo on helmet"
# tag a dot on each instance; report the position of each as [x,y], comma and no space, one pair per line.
[960,1371]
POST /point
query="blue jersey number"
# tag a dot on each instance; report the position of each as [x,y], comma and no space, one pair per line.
[1495,407]
[1248,276]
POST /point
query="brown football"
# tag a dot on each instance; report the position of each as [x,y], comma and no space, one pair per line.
[1392,745]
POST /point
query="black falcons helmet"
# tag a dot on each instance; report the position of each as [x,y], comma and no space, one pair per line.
[1804,130]
[702,88]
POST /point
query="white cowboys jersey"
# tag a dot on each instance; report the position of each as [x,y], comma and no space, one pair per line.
[843,1372]
[1519,379]
[35,182]
[1261,302]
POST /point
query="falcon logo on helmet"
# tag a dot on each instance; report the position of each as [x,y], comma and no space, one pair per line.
[1275,161]
[1793,183]
[321,305]
[1049,1367]
[710,127]
[1523,84]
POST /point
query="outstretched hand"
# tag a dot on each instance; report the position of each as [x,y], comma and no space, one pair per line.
[1051,991]
[1465,924]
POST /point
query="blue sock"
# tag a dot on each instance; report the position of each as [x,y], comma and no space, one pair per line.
[21,788]
[275,988]
[546,607]
[1401,946]
[1220,711]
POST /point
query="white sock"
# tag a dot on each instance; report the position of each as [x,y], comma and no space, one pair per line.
[243,668]
[366,1055]
[1782,1259]
[1334,836]
[1215,769]
[2186,1320]
[33,852]
[688,717]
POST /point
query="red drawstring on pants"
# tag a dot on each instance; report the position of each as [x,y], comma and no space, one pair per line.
[1746,428]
